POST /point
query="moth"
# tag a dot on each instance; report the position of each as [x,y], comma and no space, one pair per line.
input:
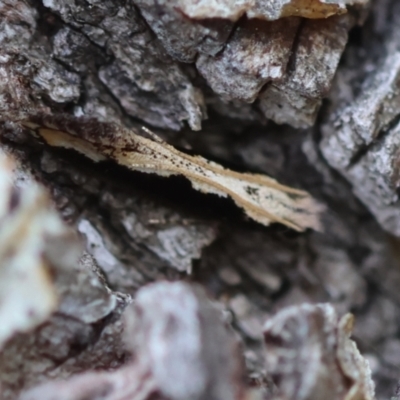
[262,198]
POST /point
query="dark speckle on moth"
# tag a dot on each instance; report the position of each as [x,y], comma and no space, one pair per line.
[262,198]
[251,191]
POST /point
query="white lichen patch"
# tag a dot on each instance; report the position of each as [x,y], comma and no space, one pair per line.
[265,9]
[28,228]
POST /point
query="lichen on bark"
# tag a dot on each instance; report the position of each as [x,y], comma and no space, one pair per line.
[222,308]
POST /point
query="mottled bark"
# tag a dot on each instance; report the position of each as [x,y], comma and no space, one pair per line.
[217,307]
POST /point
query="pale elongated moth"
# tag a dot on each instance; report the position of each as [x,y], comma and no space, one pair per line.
[261,197]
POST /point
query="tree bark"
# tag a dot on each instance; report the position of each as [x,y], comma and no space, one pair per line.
[218,301]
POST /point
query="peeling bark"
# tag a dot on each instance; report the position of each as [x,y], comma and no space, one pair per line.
[218,301]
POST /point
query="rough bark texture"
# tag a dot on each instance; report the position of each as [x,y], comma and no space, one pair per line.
[217,307]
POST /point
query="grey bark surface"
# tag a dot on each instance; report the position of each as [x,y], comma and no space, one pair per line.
[217,307]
